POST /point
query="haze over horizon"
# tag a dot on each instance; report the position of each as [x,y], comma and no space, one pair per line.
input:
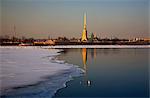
[54,18]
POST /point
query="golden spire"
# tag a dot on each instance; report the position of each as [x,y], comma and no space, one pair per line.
[84,32]
[84,20]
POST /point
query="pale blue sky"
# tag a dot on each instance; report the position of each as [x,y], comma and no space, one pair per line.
[106,18]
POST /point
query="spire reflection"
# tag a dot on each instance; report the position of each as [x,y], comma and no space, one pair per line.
[84,59]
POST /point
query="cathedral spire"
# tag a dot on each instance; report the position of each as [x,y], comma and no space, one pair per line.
[84,32]
[85,20]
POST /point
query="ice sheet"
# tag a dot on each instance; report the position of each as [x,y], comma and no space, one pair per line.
[97,46]
[26,71]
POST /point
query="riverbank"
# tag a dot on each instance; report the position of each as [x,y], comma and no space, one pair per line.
[80,46]
[96,46]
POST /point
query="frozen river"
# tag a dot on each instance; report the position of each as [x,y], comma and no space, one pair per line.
[33,72]
[100,71]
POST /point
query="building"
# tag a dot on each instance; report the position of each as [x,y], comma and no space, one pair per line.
[84,32]
[91,37]
[43,43]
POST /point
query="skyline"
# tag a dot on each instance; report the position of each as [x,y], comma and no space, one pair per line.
[106,18]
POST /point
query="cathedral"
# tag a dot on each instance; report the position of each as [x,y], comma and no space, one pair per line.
[84,32]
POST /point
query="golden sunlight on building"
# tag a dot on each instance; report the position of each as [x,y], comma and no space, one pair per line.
[47,42]
[84,32]
[147,39]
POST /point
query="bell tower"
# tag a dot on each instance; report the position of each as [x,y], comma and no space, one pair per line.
[84,32]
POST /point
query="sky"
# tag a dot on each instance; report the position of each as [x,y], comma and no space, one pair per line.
[53,18]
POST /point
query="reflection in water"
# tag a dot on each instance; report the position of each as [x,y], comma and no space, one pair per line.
[93,53]
[108,73]
[84,59]
[85,67]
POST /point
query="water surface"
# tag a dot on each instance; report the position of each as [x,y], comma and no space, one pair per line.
[108,73]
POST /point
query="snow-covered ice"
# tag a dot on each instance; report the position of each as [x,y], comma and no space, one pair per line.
[24,67]
[97,46]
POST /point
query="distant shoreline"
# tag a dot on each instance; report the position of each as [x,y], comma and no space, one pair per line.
[82,46]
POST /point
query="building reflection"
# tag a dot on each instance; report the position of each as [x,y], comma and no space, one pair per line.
[87,82]
[84,59]
[93,53]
